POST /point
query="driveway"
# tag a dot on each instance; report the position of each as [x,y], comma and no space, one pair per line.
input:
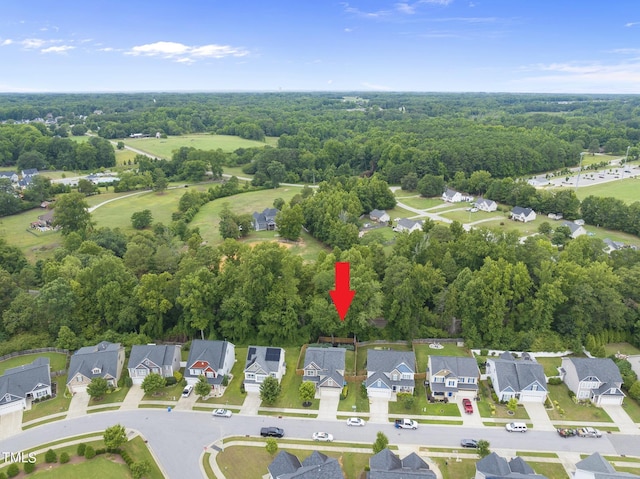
[538,415]
[78,405]
[621,419]
[379,410]
[133,398]
[251,404]
[329,400]
[10,424]
[635,363]
[186,404]
[472,420]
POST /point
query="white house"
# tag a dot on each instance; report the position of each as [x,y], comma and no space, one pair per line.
[523,214]
[452,196]
[451,376]
[407,225]
[576,230]
[261,363]
[211,359]
[522,379]
[486,205]
[595,379]
[380,216]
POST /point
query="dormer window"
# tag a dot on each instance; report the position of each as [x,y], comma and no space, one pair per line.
[96,371]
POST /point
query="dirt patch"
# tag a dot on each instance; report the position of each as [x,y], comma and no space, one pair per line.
[285,243]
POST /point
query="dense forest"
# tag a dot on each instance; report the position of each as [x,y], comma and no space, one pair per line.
[486,286]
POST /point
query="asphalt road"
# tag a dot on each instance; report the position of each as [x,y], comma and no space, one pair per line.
[178,438]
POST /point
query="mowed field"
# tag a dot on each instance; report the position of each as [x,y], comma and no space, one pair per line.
[626,190]
[164,147]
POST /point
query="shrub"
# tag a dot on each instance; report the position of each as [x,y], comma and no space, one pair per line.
[171,381]
[484,352]
[555,381]
[128,382]
[344,393]
[363,391]
[50,456]
[242,389]
[178,376]
[89,452]
[13,470]
[81,449]
[494,396]
[126,458]
[29,467]
[225,381]
[100,451]
[64,458]
[3,475]
[571,394]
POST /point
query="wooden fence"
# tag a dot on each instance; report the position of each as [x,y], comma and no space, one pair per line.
[33,351]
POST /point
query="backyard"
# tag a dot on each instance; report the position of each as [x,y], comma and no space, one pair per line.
[423,351]
[57,361]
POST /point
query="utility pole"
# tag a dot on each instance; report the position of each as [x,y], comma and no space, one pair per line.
[626,159]
[579,171]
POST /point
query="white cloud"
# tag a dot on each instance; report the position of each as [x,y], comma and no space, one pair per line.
[184,53]
[58,49]
[5,42]
[406,8]
[359,13]
[33,43]
[631,24]
[373,86]
[105,49]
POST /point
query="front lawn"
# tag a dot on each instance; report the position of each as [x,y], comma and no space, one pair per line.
[50,406]
[168,393]
[567,410]
[57,361]
[417,408]
[632,408]
[232,393]
[117,395]
[501,411]
[452,469]
[354,398]
[99,466]
[549,469]
[290,397]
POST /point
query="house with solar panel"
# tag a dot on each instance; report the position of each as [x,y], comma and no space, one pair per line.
[262,362]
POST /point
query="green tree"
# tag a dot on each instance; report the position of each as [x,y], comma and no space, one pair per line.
[202,388]
[431,185]
[97,388]
[120,145]
[307,392]
[544,228]
[86,187]
[634,391]
[140,469]
[271,446]
[141,219]
[152,383]
[115,436]
[71,214]
[289,220]
[160,182]
[380,443]
[270,390]
[409,182]
[512,405]
[483,448]
[67,339]
[155,295]
[197,297]
[276,172]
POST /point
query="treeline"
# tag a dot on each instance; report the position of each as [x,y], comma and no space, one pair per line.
[34,146]
[165,283]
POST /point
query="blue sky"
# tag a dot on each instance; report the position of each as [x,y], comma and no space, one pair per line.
[320,45]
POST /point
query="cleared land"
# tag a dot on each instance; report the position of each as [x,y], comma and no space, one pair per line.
[164,147]
[625,190]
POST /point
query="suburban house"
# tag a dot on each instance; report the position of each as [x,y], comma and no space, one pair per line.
[10,175]
[380,216]
[287,466]
[597,467]
[261,363]
[25,182]
[453,196]
[496,467]
[387,465]
[576,230]
[522,379]
[104,360]
[555,216]
[325,367]
[20,385]
[452,376]
[408,225]
[486,205]
[390,372]
[611,245]
[151,358]
[211,359]
[595,379]
[30,172]
[265,221]
[522,214]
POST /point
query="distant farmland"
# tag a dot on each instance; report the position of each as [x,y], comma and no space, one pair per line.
[163,147]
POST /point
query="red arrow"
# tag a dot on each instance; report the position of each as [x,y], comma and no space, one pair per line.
[342,295]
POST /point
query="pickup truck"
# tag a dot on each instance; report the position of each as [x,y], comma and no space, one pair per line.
[406,424]
[589,432]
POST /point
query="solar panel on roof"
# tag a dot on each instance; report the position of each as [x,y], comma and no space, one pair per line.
[272,354]
[252,352]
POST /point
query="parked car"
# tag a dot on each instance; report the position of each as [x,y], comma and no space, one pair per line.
[564,432]
[186,392]
[406,424]
[469,443]
[468,407]
[355,421]
[516,427]
[322,436]
[221,413]
[271,432]
[589,432]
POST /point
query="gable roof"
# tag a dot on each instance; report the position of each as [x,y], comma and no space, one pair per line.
[329,361]
[602,368]
[30,172]
[211,352]
[316,466]
[387,465]
[571,225]
[17,382]
[265,358]
[387,360]
[103,356]
[601,468]
[283,463]
[268,216]
[520,211]
[377,213]
[496,467]
[458,365]
[449,193]
[518,374]
[159,355]
[408,224]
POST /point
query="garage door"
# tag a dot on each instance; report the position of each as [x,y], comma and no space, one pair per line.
[379,393]
[610,400]
[329,392]
[15,406]
[79,389]
[530,398]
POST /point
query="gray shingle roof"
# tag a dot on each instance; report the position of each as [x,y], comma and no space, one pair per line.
[377,213]
[267,358]
[449,193]
[329,360]
[160,355]
[496,467]
[316,466]
[602,368]
[383,362]
[484,202]
[16,382]
[518,374]
[459,366]
[602,469]
[519,210]
[387,465]
[103,356]
[408,224]
[571,225]
[212,352]
[283,463]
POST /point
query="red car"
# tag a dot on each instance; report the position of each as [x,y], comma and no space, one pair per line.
[468,407]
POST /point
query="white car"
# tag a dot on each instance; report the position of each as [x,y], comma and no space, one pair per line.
[221,413]
[322,436]
[186,392]
[355,421]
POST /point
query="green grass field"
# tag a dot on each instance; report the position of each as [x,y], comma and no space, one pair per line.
[626,190]
[418,201]
[423,351]
[164,147]
[57,361]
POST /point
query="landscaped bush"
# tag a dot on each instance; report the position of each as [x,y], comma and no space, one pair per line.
[128,382]
[29,467]
[178,376]
[555,381]
[126,458]
[3,475]
[225,381]
[171,381]
[89,452]
[13,470]
[64,458]
[571,394]
[344,393]
[100,451]
[363,391]
[242,389]
[82,447]
[50,456]
[484,352]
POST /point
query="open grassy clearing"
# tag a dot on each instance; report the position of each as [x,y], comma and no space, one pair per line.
[572,411]
[35,245]
[57,361]
[463,216]
[613,348]
[602,233]
[417,201]
[124,156]
[164,147]
[235,171]
[233,463]
[625,190]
